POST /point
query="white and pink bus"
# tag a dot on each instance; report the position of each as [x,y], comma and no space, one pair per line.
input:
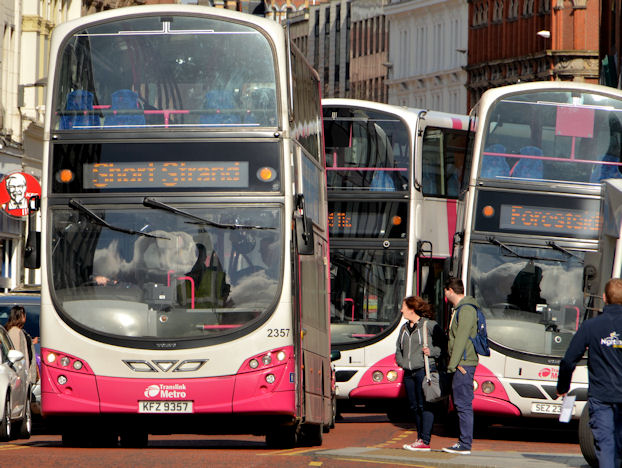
[394,180]
[530,230]
[184,239]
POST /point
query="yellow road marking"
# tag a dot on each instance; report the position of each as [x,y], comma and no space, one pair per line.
[290,452]
[298,452]
[12,447]
[315,464]
[278,452]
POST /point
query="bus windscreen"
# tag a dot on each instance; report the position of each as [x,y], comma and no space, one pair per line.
[165,73]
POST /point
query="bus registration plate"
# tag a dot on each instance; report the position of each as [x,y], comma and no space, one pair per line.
[165,407]
[546,408]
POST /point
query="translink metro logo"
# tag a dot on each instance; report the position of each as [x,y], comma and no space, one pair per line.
[612,340]
[166,391]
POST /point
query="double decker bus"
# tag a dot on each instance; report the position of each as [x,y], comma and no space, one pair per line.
[530,228]
[183,210]
[394,177]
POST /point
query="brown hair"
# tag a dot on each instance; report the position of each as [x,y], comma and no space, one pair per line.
[16,315]
[421,307]
[456,284]
[613,291]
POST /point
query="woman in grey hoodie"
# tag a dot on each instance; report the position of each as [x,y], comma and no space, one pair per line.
[409,356]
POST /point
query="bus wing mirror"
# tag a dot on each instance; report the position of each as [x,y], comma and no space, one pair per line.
[34,204]
[589,275]
[32,258]
[448,267]
[304,235]
[334,355]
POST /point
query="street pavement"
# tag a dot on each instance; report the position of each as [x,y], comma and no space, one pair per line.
[438,458]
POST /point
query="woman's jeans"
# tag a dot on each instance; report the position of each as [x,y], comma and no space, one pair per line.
[424,417]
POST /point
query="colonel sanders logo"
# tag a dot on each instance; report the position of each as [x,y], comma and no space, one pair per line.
[15,191]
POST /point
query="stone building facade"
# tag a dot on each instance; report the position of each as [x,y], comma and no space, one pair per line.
[428,45]
[26,29]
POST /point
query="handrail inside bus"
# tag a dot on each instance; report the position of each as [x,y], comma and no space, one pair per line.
[548,158]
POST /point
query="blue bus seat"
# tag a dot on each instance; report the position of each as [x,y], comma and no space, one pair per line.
[494,166]
[528,168]
[262,108]
[125,99]
[606,171]
[382,182]
[223,103]
[79,100]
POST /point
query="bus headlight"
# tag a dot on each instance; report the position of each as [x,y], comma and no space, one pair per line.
[392,376]
[377,376]
[267,359]
[280,355]
[253,364]
[270,378]
[488,387]
[77,365]
[62,380]
[51,357]
[64,361]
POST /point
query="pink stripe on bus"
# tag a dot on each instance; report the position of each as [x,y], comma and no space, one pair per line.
[452,217]
[386,169]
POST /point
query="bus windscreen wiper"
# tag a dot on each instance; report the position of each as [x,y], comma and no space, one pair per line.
[514,253]
[567,252]
[84,210]
[152,203]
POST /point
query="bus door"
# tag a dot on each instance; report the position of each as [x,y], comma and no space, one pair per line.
[431,276]
[311,293]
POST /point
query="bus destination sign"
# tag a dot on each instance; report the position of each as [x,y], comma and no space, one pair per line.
[166,174]
[541,214]
[549,220]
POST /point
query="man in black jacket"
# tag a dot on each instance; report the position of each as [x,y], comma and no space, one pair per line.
[602,336]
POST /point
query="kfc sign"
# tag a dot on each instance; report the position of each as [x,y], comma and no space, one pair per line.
[15,191]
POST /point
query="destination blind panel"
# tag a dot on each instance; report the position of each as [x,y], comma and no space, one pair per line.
[549,220]
[114,175]
[541,214]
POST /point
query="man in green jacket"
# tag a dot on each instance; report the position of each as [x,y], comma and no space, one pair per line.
[462,358]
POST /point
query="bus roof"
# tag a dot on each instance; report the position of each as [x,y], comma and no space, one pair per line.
[269,25]
[496,93]
[434,118]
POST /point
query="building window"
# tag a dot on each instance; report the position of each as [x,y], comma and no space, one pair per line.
[497,12]
[528,8]
[480,14]
[545,6]
[513,10]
